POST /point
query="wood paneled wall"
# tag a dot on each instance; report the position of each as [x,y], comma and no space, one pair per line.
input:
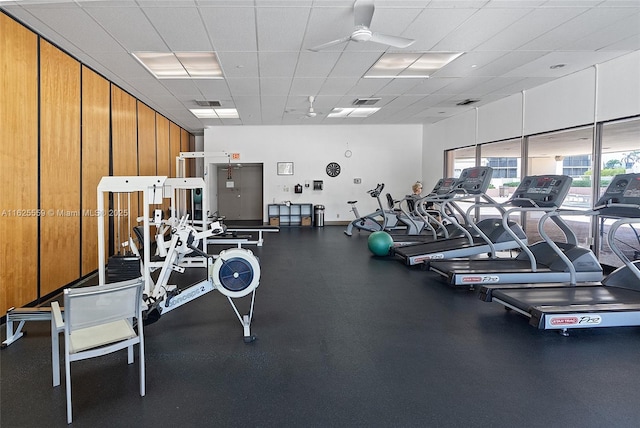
[62,128]
[59,168]
[96,137]
[19,157]
[174,147]
[146,140]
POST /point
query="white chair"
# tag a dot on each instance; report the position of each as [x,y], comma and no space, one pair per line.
[98,320]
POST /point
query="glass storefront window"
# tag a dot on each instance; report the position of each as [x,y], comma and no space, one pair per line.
[620,155]
[564,153]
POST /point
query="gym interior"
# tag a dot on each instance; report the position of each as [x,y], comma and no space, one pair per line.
[100,153]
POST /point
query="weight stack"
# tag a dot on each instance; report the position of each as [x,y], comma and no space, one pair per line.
[123,268]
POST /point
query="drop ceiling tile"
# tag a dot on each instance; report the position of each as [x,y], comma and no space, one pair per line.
[607,38]
[577,28]
[281,28]
[316,64]
[213,89]
[338,85]
[239,64]
[480,27]
[274,86]
[468,63]
[508,62]
[244,86]
[231,29]
[129,27]
[399,87]
[306,86]
[180,27]
[529,27]
[368,87]
[354,64]
[277,64]
[433,25]
[575,61]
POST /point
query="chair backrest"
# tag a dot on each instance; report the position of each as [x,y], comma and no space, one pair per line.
[100,304]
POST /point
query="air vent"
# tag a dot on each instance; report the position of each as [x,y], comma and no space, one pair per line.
[467,102]
[365,101]
[205,103]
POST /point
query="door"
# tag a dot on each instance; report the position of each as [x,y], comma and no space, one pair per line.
[240,192]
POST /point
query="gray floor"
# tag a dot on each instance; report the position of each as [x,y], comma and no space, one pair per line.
[344,340]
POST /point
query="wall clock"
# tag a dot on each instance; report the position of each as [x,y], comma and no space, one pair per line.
[333,169]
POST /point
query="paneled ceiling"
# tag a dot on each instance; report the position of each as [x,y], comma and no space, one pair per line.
[263,47]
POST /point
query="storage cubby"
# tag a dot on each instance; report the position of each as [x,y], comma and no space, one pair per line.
[289,215]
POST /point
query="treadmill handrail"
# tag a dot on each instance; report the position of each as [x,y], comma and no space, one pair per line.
[521,243]
[611,241]
[491,203]
[451,199]
[554,246]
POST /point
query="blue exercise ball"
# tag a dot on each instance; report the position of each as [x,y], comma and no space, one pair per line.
[380,243]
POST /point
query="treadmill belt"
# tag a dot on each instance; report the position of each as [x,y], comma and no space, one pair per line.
[437,246]
[527,298]
[486,266]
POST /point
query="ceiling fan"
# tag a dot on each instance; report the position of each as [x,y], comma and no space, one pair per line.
[311,112]
[362,15]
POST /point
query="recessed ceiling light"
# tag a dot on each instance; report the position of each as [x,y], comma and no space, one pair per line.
[215,113]
[353,112]
[556,66]
[409,65]
[181,65]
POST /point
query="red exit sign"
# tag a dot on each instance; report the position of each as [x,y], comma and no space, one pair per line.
[235,156]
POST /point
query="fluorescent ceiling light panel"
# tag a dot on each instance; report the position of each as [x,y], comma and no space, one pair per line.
[353,112]
[409,65]
[215,113]
[181,65]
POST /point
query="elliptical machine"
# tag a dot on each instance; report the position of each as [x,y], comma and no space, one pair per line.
[380,219]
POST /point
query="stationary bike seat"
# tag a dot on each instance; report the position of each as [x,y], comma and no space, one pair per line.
[351,202]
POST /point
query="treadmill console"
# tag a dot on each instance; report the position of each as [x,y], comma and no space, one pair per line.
[541,191]
[443,186]
[623,189]
[474,180]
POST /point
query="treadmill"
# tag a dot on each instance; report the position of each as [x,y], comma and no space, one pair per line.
[544,261]
[421,224]
[613,302]
[487,236]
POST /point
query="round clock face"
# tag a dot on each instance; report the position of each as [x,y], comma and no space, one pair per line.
[333,169]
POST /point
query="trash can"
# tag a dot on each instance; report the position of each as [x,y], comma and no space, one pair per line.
[318,215]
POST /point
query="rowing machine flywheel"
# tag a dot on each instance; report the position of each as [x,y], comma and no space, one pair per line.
[236,272]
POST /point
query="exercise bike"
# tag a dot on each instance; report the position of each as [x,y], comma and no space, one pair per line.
[380,219]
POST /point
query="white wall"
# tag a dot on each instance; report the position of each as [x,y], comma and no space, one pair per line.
[458,131]
[501,119]
[389,154]
[619,87]
[563,103]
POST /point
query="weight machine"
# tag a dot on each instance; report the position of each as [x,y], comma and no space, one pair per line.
[234,272]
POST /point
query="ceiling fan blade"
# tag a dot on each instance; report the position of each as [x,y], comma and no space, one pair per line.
[329,44]
[395,41]
[363,12]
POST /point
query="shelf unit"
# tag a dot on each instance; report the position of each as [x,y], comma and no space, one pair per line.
[290,215]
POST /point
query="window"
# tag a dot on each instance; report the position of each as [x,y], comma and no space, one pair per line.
[564,153]
[620,155]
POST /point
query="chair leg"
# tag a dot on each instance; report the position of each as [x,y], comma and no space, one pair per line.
[130,354]
[142,370]
[55,354]
[67,367]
